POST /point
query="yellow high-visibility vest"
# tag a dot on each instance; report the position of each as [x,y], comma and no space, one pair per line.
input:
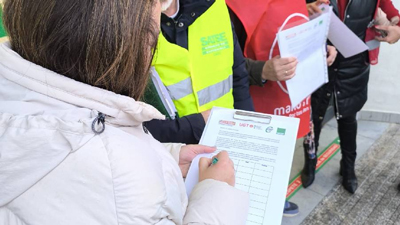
[200,77]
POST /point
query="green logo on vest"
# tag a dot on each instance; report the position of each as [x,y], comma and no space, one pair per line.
[214,43]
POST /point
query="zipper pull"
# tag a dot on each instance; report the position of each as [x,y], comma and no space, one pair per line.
[145,130]
[99,119]
[371,24]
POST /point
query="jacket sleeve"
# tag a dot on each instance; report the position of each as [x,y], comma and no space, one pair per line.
[241,93]
[174,149]
[187,129]
[214,202]
[388,7]
[255,68]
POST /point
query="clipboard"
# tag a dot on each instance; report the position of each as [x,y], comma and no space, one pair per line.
[252,116]
[261,147]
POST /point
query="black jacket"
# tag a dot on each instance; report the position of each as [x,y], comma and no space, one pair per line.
[348,78]
[189,129]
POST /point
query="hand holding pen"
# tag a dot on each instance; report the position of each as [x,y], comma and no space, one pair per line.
[220,168]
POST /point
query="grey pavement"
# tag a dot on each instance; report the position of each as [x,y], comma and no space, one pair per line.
[328,177]
[377,200]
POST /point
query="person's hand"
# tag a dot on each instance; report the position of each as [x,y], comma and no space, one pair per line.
[332,53]
[223,170]
[188,153]
[313,8]
[393,34]
[279,69]
[394,21]
[206,114]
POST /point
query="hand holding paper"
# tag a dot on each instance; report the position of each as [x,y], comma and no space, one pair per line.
[306,42]
[279,69]
[188,153]
[314,8]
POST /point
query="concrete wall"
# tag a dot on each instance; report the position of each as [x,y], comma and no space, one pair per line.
[384,86]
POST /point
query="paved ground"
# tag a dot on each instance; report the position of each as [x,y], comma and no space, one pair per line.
[328,177]
[377,200]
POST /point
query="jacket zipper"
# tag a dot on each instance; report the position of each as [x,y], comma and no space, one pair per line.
[100,119]
[336,103]
[334,89]
[345,11]
[145,129]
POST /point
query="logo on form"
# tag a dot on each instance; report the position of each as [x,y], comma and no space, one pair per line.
[269,129]
[281,131]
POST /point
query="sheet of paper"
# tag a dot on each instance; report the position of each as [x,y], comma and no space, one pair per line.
[306,42]
[345,41]
[262,154]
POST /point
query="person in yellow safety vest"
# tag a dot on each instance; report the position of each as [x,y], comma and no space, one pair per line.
[199,61]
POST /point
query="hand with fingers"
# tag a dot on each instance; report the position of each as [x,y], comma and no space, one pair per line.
[223,170]
[332,53]
[393,34]
[188,153]
[279,69]
[313,8]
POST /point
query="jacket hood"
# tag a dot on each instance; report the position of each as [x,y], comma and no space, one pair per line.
[119,109]
[45,116]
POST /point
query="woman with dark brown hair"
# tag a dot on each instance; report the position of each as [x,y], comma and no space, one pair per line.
[73,149]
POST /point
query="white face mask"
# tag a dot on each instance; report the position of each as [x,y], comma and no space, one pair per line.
[165,4]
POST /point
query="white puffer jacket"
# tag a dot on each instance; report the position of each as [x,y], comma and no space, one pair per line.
[55,170]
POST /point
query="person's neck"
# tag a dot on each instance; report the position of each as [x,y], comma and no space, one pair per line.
[172,8]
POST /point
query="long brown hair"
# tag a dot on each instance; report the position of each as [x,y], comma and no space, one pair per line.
[103,43]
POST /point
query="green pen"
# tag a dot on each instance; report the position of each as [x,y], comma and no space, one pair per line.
[214,161]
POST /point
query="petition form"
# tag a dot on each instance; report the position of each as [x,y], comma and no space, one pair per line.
[261,147]
[306,42]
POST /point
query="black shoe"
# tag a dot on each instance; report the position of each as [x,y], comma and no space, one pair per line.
[350,184]
[308,172]
[349,181]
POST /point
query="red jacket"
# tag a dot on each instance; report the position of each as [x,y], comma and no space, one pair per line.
[388,8]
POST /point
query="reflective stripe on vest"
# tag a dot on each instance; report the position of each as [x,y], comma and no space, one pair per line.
[215,91]
[201,77]
[208,94]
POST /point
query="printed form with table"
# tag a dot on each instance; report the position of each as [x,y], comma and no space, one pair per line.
[262,146]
